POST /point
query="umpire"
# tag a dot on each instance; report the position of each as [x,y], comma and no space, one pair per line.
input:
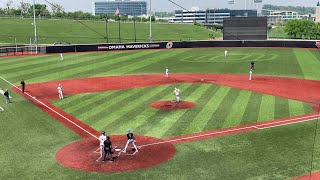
[107,149]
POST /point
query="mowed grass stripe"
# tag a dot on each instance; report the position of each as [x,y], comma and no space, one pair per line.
[35,64]
[201,120]
[218,118]
[159,129]
[119,64]
[58,68]
[67,101]
[237,109]
[138,121]
[308,62]
[114,59]
[281,108]
[106,122]
[266,108]
[105,108]
[200,98]
[153,120]
[144,62]
[138,108]
[90,103]
[59,63]
[251,114]
[296,108]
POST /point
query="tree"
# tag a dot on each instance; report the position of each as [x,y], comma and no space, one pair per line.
[301,28]
[24,8]
[57,9]
[40,10]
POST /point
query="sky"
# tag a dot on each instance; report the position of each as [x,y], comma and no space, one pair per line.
[165,5]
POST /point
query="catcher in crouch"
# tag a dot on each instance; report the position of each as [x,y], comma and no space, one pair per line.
[130,140]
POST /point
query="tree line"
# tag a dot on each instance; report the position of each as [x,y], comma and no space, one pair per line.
[301,28]
[25,10]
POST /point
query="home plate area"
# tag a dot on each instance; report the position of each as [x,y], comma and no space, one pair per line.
[82,155]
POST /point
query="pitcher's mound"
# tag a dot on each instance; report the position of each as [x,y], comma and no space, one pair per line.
[172,105]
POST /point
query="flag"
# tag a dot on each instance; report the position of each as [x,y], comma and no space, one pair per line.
[117,12]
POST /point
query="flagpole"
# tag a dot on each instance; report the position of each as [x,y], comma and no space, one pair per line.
[135,32]
[35,26]
[150,24]
[119,29]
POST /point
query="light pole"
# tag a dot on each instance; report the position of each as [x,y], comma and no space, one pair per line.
[35,26]
[107,29]
[15,41]
[141,12]
[150,24]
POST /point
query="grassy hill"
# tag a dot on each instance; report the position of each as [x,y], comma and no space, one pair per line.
[71,31]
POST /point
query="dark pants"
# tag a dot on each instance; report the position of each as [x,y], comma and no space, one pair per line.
[107,151]
[22,89]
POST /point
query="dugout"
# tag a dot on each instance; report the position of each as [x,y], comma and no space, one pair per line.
[245,28]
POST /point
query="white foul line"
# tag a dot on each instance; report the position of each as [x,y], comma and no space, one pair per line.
[52,110]
[257,127]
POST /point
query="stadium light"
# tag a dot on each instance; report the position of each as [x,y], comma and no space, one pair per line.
[150,24]
[35,26]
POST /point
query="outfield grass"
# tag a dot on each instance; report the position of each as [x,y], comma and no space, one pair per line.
[217,107]
[71,31]
[30,137]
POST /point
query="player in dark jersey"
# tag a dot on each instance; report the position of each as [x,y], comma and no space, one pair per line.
[131,139]
[252,65]
[23,86]
[107,149]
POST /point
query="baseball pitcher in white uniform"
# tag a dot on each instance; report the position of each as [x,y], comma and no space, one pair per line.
[167,72]
[176,92]
[60,91]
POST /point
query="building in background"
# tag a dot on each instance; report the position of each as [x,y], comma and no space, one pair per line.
[275,16]
[318,13]
[210,16]
[126,7]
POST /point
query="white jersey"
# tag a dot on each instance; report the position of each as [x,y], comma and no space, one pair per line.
[167,70]
[176,92]
[225,53]
[102,138]
[59,89]
[61,56]
[250,72]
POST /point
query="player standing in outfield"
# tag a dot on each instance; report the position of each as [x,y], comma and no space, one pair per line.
[252,65]
[131,140]
[61,56]
[167,72]
[60,91]
[250,75]
[225,53]
[107,149]
[102,138]
[23,85]
[177,93]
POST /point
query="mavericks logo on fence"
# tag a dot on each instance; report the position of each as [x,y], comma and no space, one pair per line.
[128,46]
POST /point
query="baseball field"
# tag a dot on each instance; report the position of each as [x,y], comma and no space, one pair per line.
[266,128]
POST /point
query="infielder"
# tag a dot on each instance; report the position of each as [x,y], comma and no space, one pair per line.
[130,140]
[61,56]
[167,72]
[225,53]
[102,138]
[250,75]
[177,93]
[60,91]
